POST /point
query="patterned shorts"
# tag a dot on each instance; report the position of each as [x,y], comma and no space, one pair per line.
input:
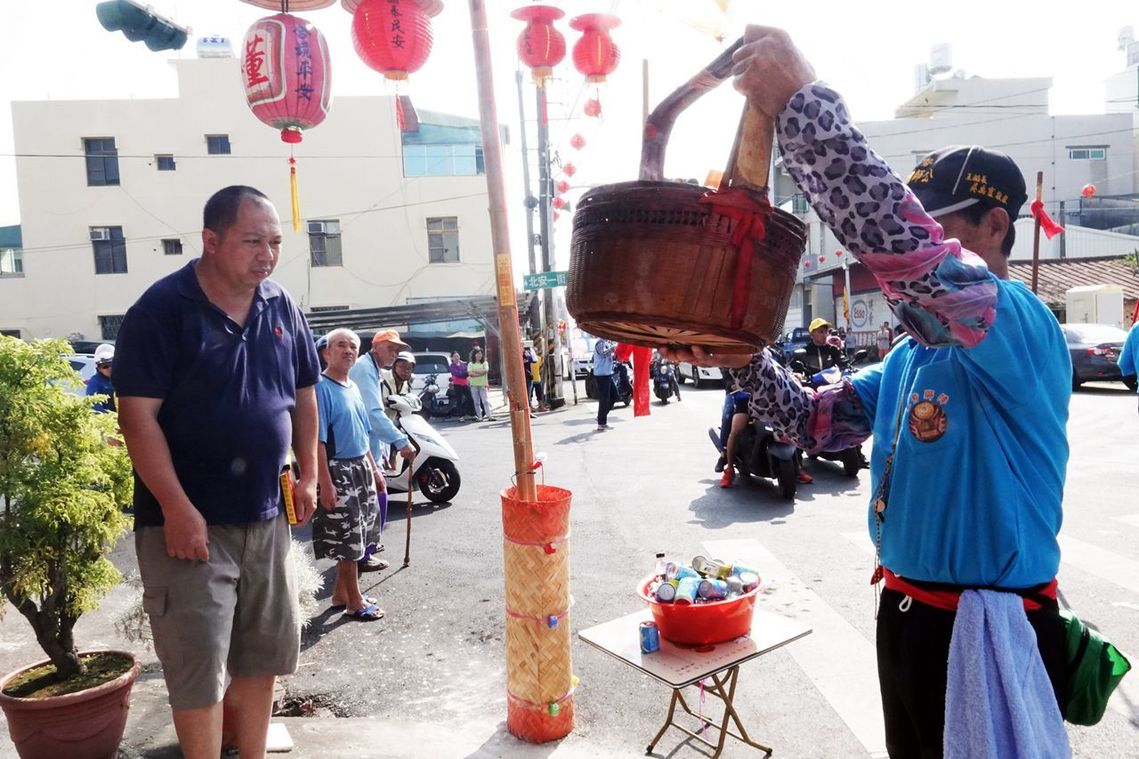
[344,533]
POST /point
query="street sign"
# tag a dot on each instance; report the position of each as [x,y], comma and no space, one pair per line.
[544,280]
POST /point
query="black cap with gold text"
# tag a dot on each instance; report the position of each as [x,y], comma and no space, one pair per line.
[960,176]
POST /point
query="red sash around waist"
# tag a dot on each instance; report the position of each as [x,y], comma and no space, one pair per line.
[946,597]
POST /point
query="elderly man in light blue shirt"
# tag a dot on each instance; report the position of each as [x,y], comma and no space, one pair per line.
[366,374]
[603,364]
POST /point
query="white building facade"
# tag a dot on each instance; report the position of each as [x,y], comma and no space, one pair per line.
[111,196]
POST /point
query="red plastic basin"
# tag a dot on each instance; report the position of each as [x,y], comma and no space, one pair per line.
[701,624]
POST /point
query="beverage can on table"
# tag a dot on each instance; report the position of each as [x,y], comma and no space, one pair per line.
[650,637]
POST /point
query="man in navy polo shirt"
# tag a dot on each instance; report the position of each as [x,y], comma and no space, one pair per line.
[216,369]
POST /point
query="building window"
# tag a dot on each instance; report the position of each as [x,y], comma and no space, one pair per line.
[110,326]
[165,162]
[443,240]
[11,262]
[172,247]
[110,250]
[10,333]
[324,243]
[102,161]
[217,144]
[1087,154]
[443,160]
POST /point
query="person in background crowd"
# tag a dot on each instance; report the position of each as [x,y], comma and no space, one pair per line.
[603,367]
[397,380]
[1129,356]
[100,382]
[478,371]
[348,520]
[820,353]
[384,437]
[970,449]
[461,386]
[208,446]
[884,339]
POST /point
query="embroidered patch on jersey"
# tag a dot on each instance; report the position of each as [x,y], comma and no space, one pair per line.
[928,420]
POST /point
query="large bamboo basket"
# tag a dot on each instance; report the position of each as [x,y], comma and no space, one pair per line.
[663,263]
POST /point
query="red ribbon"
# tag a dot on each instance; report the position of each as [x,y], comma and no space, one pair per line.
[1051,228]
[750,216]
[641,357]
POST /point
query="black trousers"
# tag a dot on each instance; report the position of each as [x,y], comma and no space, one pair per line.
[605,392]
[913,660]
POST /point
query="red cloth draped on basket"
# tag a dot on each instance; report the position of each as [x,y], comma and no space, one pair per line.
[1050,227]
[749,213]
[642,357]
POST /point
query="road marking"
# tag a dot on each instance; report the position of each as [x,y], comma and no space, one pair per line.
[861,541]
[1131,519]
[839,661]
[1116,569]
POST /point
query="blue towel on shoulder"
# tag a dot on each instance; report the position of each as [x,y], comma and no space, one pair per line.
[999,702]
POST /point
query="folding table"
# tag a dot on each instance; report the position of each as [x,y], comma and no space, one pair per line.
[680,666]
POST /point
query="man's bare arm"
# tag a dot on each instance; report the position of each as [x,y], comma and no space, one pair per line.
[184,528]
[305,422]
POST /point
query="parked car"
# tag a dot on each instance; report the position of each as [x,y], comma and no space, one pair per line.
[438,364]
[790,342]
[1095,352]
[582,357]
[700,375]
[84,366]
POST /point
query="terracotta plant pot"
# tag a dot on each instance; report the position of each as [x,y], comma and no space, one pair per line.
[84,725]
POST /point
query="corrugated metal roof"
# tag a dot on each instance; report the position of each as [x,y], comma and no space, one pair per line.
[1057,276]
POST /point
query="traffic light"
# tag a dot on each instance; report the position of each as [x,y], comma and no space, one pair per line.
[140,24]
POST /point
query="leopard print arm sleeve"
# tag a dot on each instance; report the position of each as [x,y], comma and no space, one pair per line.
[943,294]
[830,419]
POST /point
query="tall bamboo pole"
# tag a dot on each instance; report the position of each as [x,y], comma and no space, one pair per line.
[1036,231]
[511,338]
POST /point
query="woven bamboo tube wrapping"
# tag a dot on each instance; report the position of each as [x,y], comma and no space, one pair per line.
[539,667]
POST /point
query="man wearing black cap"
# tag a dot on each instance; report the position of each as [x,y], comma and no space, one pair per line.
[970,447]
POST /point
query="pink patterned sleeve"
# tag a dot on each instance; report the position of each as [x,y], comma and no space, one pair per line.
[943,294]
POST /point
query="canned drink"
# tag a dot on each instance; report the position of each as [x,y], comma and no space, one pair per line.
[739,569]
[650,637]
[750,581]
[711,567]
[687,590]
[666,591]
[735,585]
[674,571]
[712,590]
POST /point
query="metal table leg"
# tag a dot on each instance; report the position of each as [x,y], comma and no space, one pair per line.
[723,688]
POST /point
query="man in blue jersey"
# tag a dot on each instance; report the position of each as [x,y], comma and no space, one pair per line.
[1129,356]
[970,448]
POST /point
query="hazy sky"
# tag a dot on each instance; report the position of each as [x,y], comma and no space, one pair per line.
[56,49]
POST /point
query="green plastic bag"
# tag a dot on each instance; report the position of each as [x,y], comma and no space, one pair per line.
[1095,667]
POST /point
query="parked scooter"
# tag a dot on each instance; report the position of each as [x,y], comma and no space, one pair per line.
[759,453]
[433,470]
[435,404]
[623,392]
[664,380]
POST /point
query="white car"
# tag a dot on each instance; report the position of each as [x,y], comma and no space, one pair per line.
[84,366]
[438,364]
[700,375]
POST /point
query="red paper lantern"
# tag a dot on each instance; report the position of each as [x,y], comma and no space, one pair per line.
[569,169]
[557,216]
[1088,191]
[595,55]
[562,186]
[540,46]
[287,74]
[431,7]
[392,36]
[558,203]
[577,142]
[294,5]
[592,107]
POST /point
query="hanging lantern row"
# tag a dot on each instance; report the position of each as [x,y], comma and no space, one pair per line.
[541,46]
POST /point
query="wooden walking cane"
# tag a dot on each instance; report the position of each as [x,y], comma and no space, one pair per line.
[407,540]
[1036,231]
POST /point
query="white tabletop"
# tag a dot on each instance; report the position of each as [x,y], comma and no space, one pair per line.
[680,666]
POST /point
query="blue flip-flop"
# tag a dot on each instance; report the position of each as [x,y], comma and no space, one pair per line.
[369,613]
[367,599]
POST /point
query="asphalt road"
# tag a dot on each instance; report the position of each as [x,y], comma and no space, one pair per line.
[645,486]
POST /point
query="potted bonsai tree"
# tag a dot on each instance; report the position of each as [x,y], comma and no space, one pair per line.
[64,481]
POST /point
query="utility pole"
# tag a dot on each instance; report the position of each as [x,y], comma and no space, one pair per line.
[550,334]
[531,201]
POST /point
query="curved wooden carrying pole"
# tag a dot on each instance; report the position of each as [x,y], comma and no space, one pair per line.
[751,154]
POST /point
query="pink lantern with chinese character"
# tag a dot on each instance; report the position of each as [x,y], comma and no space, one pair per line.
[287,74]
[288,81]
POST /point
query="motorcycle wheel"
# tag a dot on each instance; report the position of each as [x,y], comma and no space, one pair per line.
[851,462]
[438,480]
[787,478]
